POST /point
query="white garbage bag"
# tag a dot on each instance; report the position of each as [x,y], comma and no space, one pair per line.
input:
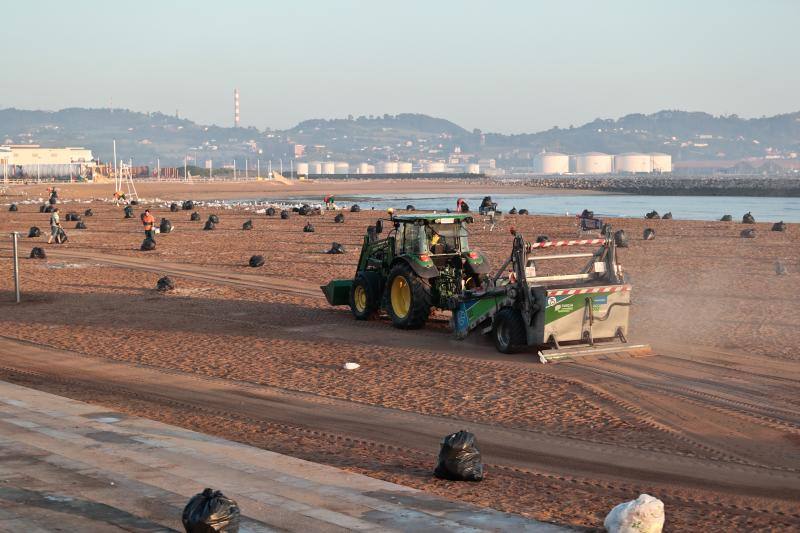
[645,514]
[351,366]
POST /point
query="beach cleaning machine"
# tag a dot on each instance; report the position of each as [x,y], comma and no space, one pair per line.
[425,262]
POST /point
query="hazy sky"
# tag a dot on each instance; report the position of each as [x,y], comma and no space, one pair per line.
[507,66]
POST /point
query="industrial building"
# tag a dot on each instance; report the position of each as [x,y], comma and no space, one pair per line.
[551,163]
[661,162]
[32,160]
[593,163]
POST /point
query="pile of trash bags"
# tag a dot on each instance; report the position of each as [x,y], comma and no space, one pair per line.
[652,214]
[355,208]
[748,218]
[72,217]
[165,284]
[620,239]
[284,214]
[726,218]
[779,226]
[80,225]
[257,261]
[645,514]
[34,232]
[308,228]
[187,205]
[339,218]
[38,253]
[667,216]
[459,458]
[649,234]
[211,512]
[165,226]
[336,248]
[522,212]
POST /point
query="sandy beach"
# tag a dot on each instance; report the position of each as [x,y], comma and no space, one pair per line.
[712,416]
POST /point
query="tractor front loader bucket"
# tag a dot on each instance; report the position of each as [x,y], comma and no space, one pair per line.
[337,292]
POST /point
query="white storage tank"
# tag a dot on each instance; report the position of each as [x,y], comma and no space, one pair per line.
[434,167]
[341,167]
[328,167]
[315,167]
[404,167]
[387,167]
[661,162]
[551,163]
[593,163]
[365,168]
[473,168]
[301,169]
[633,163]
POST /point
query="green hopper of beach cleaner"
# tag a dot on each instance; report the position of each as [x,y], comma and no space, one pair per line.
[337,292]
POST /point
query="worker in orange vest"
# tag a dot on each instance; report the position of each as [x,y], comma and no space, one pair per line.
[147,221]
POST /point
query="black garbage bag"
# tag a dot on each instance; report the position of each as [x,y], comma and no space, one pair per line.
[173,207]
[247,225]
[748,218]
[284,214]
[147,245]
[308,228]
[165,284]
[38,253]
[270,211]
[339,218]
[512,211]
[410,207]
[459,458]
[13,207]
[522,212]
[61,236]
[34,232]
[48,208]
[295,210]
[214,219]
[165,226]
[620,239]
[128,211]
[304,210]
[195,217]
[464,207]
[726,218]
[779,226]
[187,205]
[53,200]
[80,225]
[75,217]
[355,208]
[652,214]
[748,234]
[257,261]
[209,225]
[542,238]
[68,217]
[649,234]
[667,216]
[88,213]
[486,202]
[211,512]
[43,207]
[336,248]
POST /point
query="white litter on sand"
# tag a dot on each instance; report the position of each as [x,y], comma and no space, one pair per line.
[645,514]
[351,366]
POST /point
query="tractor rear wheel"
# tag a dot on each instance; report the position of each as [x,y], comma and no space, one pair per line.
[509,331]
[408,298]
[364,298]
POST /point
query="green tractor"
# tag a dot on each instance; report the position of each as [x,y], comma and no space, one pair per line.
[424,262]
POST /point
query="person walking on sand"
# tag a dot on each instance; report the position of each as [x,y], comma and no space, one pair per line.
[55,225]
[147,221]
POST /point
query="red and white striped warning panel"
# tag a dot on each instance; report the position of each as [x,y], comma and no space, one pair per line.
[549,244]
[589,290]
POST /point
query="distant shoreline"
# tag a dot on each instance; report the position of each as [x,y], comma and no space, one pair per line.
[675,186]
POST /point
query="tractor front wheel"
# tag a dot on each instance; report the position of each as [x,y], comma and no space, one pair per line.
[363,298]
[509,331]
[408,298]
